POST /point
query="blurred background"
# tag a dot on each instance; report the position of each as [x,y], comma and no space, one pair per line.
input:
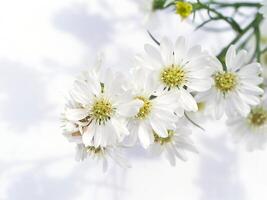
[44,45]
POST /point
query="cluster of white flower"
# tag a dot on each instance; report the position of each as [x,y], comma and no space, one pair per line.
[107,111]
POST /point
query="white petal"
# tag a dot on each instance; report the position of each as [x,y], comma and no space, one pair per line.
[180,49]
[110,133]
[155,55]
[165,114]
[80,152]
[158,127]
[215,64]
[88,135]
[81,93]
[194,52]
[167,51]
[189,103]
[250,70]
[100,137]
[240,105]
[131,108]
[145,135]
[132,138]
[240,59]
[170,155]
[199,85]
[178,153]
[250,99]
[120,127]
[230,57]
[219,106]
[251,89]
[76,114]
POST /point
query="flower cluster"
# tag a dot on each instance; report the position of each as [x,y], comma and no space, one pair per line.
[170,87]
[107,111]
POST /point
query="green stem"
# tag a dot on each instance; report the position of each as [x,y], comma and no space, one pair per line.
[257,37]
[236,5]
[170,4]
[228,20]
[254,23]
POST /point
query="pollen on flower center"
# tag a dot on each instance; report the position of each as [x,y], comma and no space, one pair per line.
[161,140]
[95,150]
[145,109]
[201,106]
[102,110]
[173,76]
[184,9]
[225,81]
[257,117]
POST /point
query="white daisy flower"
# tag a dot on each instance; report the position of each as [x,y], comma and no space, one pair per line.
[179,69]
[252,129]
[175,145]
[263,9]
[234,91]
[101,154]
[102,106]
[157,112]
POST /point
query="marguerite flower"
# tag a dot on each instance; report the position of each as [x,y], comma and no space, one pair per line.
[102,108]
[179,69]
[234,91]
[252,129]
[101,154]
[175,145]
[156,114]
[263,9]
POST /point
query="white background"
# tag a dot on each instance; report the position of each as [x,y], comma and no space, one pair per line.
[44,44]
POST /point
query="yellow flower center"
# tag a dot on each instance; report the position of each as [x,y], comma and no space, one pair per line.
[257,117]
[102,110]
[184,9]
[95,150]
[173,76]
[161,140]
[145,109]
[225,81]
[201,106]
